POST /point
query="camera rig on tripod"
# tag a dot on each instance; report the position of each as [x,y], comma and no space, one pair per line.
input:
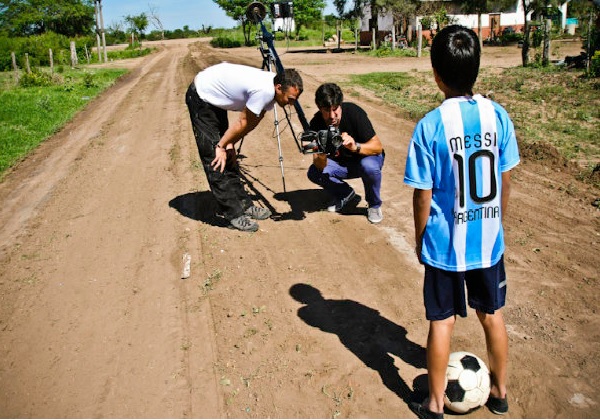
[325,141]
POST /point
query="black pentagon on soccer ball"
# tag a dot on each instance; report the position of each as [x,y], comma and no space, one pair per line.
[470,363]
[454,391]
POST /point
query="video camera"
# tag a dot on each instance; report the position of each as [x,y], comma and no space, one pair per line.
[323,141]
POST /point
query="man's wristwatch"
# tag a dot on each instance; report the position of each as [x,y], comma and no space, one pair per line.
[357,148]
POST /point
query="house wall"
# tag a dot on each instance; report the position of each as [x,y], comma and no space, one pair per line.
[514,19]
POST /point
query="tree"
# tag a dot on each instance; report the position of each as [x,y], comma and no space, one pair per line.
[528,7]
[155,19]
[137,24]
[402,11]
[236,9]
[541,9]
[307,11]
[478,7]
[481,7]
[375,7]
[35,17]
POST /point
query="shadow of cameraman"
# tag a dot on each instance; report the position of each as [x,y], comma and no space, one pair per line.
[363,331]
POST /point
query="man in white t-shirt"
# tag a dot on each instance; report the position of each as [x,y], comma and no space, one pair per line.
[250,91]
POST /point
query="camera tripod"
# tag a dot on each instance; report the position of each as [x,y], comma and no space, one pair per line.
[256,12]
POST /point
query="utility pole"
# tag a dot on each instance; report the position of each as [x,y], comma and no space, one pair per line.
[100,30]
[97,31]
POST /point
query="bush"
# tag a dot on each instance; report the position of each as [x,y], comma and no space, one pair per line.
[509,37]
[595,65]
[35,79]
[225,42]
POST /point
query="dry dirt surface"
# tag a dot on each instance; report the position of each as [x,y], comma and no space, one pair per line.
[316,315]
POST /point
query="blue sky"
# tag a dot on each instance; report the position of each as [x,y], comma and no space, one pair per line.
[174,14]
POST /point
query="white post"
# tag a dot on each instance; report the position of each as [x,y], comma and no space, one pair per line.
[102,32]
[374,41]
[419,39]
[73,55]
[97,30]
[14,64]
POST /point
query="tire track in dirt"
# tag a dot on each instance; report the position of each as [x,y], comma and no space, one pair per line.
[101,303]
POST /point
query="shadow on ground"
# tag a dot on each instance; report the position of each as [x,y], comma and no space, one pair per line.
[363,331]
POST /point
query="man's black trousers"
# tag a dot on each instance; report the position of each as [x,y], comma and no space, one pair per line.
[209,124]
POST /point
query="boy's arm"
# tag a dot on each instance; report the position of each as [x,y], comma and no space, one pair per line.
[506,184]
[421,210]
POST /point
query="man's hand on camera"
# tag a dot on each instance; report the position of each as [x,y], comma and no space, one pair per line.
[349,142]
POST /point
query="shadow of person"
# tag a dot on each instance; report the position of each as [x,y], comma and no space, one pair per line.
[200,206]
[301,202]
[363,331]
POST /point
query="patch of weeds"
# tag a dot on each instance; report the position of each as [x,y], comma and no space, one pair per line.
[211,281]
[231,397]
[44,103]
[30,280]
[250,332]
[186,345]
[88,80]
[269,324]
[33,256]
[259,310]
[175,153]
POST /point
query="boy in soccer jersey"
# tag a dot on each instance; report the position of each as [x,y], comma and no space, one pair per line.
[250,91]
[458,161]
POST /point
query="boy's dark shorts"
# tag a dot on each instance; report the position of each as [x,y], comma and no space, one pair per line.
[444,291]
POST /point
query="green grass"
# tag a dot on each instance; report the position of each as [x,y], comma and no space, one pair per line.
[29,115]
[551,108]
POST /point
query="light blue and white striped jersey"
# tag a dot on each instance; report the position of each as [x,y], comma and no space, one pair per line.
[459,150]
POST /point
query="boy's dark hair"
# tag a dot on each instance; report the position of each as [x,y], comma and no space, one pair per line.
[455,56]
[328,95]
[289,78]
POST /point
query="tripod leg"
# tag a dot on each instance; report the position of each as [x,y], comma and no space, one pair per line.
[279,147]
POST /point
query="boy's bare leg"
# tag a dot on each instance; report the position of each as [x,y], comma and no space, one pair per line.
[496,340]
[438,352]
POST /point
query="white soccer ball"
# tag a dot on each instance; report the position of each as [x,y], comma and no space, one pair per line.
[468,385]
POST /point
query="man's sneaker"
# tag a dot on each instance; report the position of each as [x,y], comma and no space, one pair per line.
[375,215]
[497,405]
[424,413]
[258,213]
[243,223]
[351,199]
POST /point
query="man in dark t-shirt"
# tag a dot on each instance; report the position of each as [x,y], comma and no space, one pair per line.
[360,156]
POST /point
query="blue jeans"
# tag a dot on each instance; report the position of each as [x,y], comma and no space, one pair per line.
[367,168]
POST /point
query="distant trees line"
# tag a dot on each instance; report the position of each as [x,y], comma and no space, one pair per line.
[33,28]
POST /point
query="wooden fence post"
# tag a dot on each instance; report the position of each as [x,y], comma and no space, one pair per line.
[14,64]
[419,39]
[374,40]
[51,60]
[73,55]
[27,63]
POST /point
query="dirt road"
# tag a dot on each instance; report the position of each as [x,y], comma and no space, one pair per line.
[316,315]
